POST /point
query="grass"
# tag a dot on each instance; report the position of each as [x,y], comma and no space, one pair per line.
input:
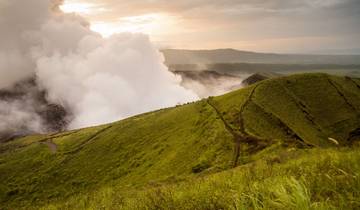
[186,154]
[130,153]
[301,179]
[308,105]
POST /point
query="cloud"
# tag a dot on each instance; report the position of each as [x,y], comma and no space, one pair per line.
[204,22]
[99,80]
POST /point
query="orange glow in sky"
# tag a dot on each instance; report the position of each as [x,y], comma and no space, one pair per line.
[151,24]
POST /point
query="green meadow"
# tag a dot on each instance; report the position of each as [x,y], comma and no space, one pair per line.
[283,143]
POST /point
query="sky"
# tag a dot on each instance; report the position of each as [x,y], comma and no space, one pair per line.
[287,26]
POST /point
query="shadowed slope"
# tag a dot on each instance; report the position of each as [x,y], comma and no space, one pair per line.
[310,108]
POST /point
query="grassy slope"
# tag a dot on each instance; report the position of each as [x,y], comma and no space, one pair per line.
[312,107]
[290,179]
[176,144]
[157,146]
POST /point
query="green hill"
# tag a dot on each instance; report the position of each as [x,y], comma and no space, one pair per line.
[279,130]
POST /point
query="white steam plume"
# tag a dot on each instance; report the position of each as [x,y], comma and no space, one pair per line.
[100,80]
[19,117]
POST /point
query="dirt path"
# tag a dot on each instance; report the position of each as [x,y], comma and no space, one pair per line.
[52,146]
[49,140]
[90,139]
[241,136]
[341,94]
[286,129]
[242,126]
[353,81]
[231,131]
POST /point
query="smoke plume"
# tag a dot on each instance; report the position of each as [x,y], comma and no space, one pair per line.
[98,79]
[207,83]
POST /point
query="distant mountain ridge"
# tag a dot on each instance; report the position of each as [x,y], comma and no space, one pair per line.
[181,56]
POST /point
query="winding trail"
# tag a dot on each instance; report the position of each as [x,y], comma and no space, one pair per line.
[353,81]
[52,146]
[305,110]
[333,84]
[48,141]
[242,108]
[236,136]
[242,135]
[89,140]
[290,132]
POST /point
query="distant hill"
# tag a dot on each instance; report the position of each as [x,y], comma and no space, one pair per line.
[179,56]
[209,83]
[271,117]
[257,77]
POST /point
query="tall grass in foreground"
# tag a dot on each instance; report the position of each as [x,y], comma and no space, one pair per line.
[310,179]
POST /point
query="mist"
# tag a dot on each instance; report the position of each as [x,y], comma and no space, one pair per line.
[207,83]
[99,80]
[19,117]
[25,110]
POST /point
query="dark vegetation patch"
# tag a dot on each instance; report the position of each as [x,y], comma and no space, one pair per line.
[52,117]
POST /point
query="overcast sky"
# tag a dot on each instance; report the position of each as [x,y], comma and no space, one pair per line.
[325,26]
